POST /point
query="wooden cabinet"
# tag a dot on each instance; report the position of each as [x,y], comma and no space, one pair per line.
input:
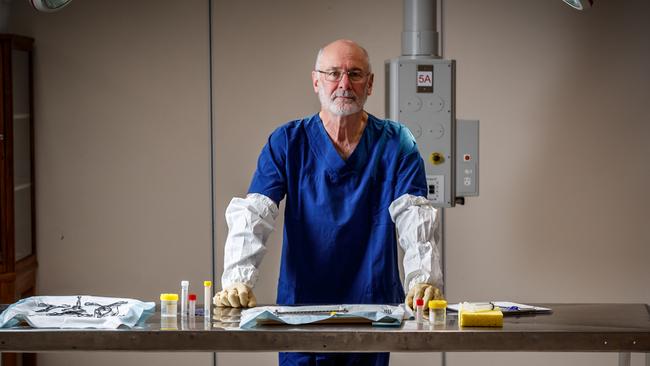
[17,219]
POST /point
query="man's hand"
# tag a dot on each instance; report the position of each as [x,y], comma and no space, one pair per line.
[423,291]
[235,296]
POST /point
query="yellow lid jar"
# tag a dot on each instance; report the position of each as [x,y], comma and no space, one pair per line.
[168,305]
[437,312]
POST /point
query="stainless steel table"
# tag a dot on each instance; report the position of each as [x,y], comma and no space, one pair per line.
[621,328]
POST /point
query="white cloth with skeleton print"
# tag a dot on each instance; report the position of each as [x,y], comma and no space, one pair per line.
[77,312]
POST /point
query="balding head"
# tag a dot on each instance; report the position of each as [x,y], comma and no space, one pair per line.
[341,48]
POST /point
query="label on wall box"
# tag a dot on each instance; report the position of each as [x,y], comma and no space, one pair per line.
[424,80]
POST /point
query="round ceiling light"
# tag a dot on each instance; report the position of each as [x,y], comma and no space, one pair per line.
[580,4]
[49,5]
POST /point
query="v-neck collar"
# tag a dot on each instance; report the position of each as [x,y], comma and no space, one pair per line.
[323,145]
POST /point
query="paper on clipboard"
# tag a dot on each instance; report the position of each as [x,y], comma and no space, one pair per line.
[512,308]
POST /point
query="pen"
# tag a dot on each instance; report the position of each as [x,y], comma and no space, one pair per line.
[511,308]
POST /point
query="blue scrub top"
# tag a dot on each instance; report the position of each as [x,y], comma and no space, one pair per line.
[339,241]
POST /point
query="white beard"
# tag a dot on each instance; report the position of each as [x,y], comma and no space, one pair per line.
[342,107]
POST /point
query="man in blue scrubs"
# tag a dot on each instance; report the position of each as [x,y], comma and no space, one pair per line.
[350,180]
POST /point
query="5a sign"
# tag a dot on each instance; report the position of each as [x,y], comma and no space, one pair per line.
[424,79]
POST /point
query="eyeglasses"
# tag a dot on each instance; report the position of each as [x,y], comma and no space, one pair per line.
[354,76]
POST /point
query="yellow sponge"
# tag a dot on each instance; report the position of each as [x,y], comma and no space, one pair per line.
[492,318]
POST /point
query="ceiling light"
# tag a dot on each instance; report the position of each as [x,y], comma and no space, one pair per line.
[49,5]
[580,4]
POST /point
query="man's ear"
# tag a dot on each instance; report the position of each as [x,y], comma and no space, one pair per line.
[371,80]
[314,81]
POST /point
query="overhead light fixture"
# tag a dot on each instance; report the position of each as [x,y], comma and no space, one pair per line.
[580,4]
[49,5]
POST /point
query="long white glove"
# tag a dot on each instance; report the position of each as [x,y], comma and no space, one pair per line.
[250,221]
[418,232]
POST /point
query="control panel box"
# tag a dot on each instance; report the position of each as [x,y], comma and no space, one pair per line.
[420,93]
[467,157]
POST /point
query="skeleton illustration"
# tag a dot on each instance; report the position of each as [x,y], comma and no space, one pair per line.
[100,310]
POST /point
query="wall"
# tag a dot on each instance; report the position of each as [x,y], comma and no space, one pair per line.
[561,96]
[122,153]
[561,218]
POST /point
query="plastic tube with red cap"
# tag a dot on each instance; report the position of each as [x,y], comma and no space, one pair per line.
[192,305]
[419,311]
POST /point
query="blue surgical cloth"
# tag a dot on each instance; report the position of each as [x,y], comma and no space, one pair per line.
[379,315]
[339,241]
